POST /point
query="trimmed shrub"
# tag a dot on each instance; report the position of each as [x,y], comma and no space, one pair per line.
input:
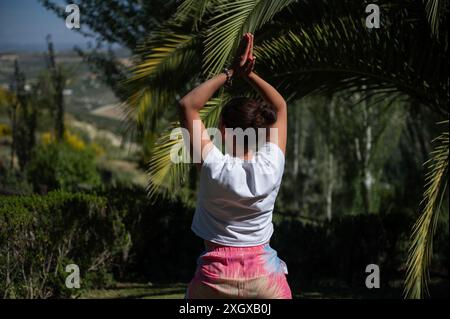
[338,252]
[118,233]
[164,249]
[40,235]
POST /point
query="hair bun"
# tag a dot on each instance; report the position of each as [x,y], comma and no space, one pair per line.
[244,112]
[268,115]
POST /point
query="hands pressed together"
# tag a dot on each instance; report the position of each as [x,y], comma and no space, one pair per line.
[244,62]
[242,66]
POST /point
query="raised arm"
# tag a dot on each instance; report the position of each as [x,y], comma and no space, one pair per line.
[271,96]
[191,104]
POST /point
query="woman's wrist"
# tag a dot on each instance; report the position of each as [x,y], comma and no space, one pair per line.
[228,77]
[250,75]
[230,74]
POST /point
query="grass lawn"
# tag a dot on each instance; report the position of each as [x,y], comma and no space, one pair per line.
[177,290]
[138,291]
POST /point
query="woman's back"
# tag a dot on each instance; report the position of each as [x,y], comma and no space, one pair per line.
[236,197]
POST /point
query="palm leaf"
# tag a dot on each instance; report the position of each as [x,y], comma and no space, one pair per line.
[231,19]
[308,47]
[165,176]
[330,55]
[341,55]
[435,11]
[165,64]
[192,11]
[421,248]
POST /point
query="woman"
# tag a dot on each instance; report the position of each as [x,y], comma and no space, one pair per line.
[238,190]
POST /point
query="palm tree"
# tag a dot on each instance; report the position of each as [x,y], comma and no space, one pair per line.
[303,47]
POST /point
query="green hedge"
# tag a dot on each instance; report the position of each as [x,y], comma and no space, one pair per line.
[40,235]
[120,232]
[164,249]
[338,252]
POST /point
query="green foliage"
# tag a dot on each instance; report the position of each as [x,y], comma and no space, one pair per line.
[421,251]
[336,251]
[308,47]
[157,229]
[303,47]
[230,19]
[14,182]
[126,23]
[23,119]
[55,90]
[436,15]
[299,52]
[59,166]
[339,251]
[42,234]
[118,234]
[171,61]
[5,130]
[163,172]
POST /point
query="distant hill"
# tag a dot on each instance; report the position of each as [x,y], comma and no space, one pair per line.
[60,48]
[36,47]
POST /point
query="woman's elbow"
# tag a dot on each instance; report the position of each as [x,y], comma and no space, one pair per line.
[185,104]
[281,105]
[182,104]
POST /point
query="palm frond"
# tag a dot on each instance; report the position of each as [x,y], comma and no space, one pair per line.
[342,54]
[421,248]
[192,11]
[165,176]
[166,63]
[230,20]
[435,10]
[158,51]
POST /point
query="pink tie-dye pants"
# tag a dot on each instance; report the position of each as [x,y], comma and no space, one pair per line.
[239,272]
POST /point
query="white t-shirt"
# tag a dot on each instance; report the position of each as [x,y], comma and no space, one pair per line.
[236,197]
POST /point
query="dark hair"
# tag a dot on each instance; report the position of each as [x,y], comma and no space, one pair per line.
[246,113]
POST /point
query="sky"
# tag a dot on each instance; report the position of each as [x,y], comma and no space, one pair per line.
[24,25]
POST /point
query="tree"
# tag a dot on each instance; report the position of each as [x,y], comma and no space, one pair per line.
[23,120]
[125,23]
[304,48]
[57,85]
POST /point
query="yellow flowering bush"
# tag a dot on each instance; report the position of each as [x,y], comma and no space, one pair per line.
[99,151]
[47,138]
[5,130]
[73,140]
